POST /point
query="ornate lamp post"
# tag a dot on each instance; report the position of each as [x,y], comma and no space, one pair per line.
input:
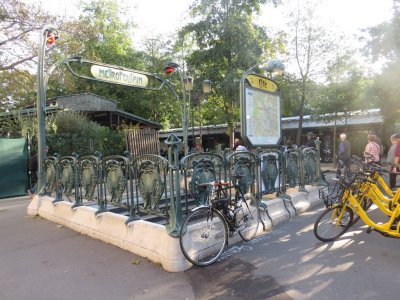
[188,86]
[206,91]
[48,36]
[170,68]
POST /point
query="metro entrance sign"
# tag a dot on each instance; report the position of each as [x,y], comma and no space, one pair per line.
[260,110]
[118,76]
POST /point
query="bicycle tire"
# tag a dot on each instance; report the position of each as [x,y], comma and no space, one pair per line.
[248,217]
[203,236]
[326,228]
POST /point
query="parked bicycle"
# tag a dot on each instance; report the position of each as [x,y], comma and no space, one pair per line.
[204,233]
[348,201]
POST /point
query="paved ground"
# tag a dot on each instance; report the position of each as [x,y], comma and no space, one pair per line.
[42,260]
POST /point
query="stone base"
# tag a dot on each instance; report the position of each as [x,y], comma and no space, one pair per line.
[283,208]
[147,239]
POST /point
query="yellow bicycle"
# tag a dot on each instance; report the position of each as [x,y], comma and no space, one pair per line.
[343,206]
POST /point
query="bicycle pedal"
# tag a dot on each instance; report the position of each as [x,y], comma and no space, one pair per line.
[369,229]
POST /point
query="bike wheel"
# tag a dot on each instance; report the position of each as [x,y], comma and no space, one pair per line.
[203,236]
[332,223]
[248,218]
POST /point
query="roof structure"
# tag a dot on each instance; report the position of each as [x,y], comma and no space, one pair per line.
[351,119]
[357,120]
[101,110]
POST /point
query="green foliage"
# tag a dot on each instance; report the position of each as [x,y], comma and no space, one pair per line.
[346,88]
[384,44]
[224,42]
[17,89]
[69,132]
[16,125]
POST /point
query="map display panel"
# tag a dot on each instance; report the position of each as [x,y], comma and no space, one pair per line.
[262,113]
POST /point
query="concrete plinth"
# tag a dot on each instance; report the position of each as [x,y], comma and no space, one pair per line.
[151,240]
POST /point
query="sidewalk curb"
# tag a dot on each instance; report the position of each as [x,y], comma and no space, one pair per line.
[151,240]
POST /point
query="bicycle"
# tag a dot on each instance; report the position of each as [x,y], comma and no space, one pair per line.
[342,207]
[374,192]
[204,233]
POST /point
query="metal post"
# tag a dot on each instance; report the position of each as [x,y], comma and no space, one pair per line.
[41,108]
[174,219]
[185,123]
[192,110]
[201,133]
[185,119]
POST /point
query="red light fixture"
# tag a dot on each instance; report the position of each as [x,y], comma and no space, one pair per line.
[51,38]
[169,70]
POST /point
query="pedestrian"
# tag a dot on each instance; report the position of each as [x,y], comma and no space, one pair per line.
[310,140]
[372,150]
[344,149]
[237,146]
[197,147]
[393,167]
[378,141]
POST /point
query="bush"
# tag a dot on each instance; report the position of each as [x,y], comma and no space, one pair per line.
[69,132]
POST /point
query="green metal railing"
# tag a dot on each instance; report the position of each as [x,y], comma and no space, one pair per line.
[163,190]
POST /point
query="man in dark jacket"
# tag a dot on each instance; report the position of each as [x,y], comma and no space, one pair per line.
[343,153]
[310,140]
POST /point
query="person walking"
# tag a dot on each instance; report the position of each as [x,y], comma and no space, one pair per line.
[237,146]
[372,150]
[343,155]
[393,167]
[310,140]
[344,149]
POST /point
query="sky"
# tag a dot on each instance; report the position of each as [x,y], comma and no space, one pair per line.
[164,17]
[155,17]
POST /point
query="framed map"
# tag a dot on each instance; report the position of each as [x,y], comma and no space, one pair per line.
[261,112]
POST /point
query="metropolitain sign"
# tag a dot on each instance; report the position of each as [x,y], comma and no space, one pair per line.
[119,76]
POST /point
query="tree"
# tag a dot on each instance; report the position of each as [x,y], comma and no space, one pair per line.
[102,34]
[226,42]
[310,47]
[19,24]
[384,45]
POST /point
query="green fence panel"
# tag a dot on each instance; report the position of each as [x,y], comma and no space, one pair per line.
[13,167]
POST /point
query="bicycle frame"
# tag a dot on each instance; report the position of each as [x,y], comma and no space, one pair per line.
[384,228]
[378,179]
[219,191]
[384,204]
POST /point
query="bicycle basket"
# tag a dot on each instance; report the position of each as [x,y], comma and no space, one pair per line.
[331,194]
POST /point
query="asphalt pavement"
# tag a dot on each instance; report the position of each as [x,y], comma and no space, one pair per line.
[43,260]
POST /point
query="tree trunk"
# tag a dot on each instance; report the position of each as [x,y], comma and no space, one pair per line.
[301,113]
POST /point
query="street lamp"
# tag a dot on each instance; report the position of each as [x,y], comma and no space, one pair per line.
[274,66]
[48,37]
[188,85]
[170,68]
[206,91]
